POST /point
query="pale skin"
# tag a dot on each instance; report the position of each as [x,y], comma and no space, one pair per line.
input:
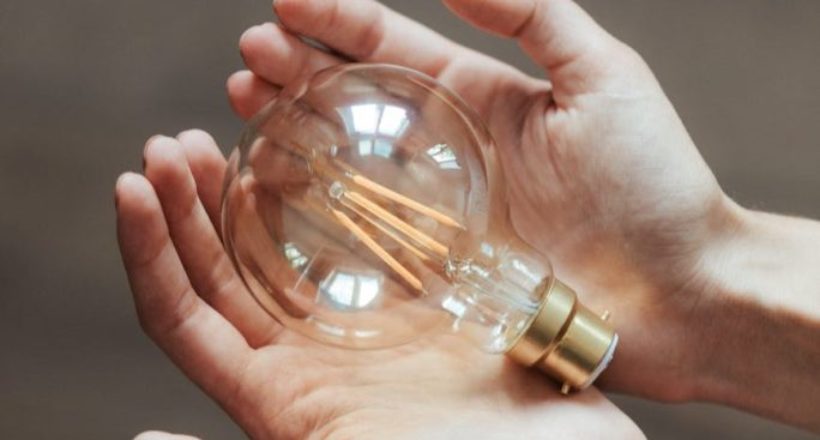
[602,176]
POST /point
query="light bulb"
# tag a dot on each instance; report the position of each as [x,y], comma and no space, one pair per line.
[364,208]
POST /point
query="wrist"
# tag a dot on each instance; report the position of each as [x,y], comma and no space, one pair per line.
[768,260]
[758,322]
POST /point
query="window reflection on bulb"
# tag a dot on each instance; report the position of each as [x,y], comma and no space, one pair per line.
[351,290]
[364,208]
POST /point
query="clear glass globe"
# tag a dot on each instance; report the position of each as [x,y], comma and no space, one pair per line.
[364,208]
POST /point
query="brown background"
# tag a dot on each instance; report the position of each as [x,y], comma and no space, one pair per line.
[84,82]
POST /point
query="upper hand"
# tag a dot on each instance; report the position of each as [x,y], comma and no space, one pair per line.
[602,175]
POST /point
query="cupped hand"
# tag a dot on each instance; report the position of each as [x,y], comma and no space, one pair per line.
[601,172]
[278,385]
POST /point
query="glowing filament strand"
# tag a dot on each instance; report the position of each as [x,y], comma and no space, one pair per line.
[388,193]
[378,250]
[419,237]
[386,230]
[406,201]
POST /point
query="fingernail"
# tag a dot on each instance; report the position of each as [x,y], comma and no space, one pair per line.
[154,138]
[249,31]
[150,141]
[117,185]
[188,133]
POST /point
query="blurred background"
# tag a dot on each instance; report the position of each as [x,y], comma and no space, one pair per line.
[84,83]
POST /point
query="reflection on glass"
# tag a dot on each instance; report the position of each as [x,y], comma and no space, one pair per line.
[365,118]
[444,156]
[293,256]
[365,147]
[378,147]
[372,119]
[350,290]
[382,148]
[394,119]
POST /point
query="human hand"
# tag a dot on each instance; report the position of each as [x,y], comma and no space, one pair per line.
[276,384]
[601,173]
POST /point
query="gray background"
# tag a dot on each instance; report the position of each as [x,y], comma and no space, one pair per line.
[84,82]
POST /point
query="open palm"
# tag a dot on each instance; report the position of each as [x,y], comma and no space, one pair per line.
[276,384]
[601,175]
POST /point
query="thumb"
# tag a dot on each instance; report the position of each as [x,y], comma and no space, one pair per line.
[561,37]
[159,435]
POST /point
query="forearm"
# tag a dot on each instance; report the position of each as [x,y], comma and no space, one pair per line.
[761,321]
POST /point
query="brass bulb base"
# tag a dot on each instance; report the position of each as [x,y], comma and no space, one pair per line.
[566,340]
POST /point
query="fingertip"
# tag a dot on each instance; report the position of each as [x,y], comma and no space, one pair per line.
[124,181]
[200,149]
[154,138]
[160,435]
[251,38]
[301,15]
[120,186]
[205,159]
[237,85]
[503,18]
[196,137]
[130,186]
[248,93]
[151,435]
[238,81]
[288,9]
[579,55]
[136,204]
[163,155]
[155,147]
[249,32]
[207,167]
[267,42]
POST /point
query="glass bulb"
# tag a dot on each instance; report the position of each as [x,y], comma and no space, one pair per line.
[364,208]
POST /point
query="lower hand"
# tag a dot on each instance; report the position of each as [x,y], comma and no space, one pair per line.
[276,384]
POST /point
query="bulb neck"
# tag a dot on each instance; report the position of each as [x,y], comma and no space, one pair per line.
[565,339]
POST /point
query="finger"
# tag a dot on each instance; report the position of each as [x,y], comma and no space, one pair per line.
[279,57]
[368,31]
[207,165]
[210,270]
[160,435]
[198,339]
[248,93]
[557,34]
